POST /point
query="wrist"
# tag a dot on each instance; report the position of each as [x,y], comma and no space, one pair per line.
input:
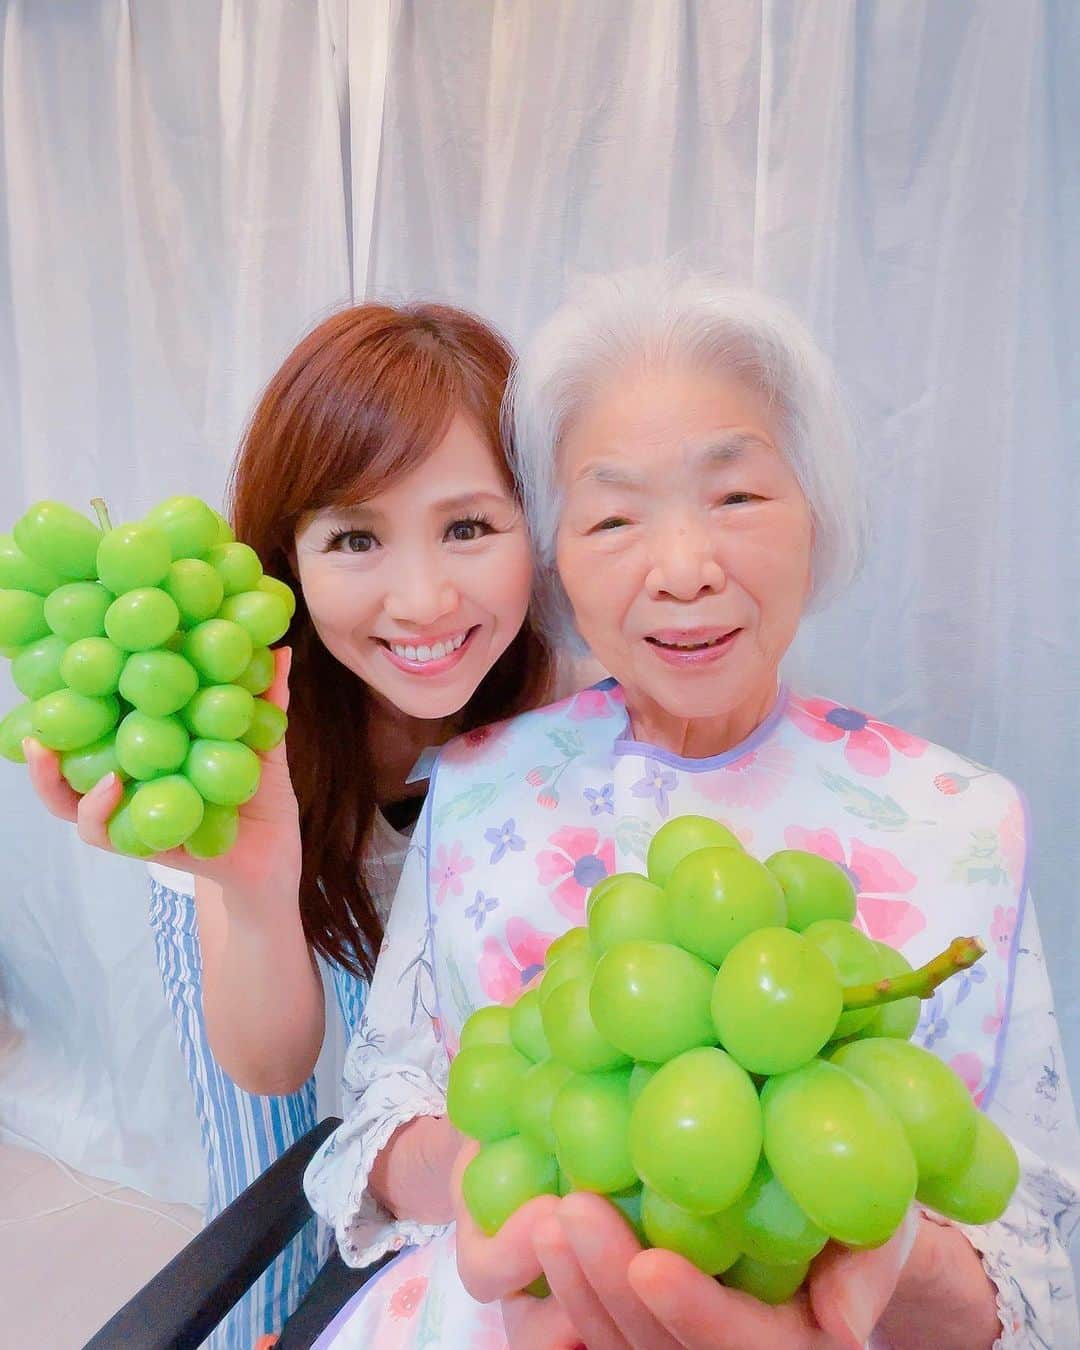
[410,1176]
[943,1294]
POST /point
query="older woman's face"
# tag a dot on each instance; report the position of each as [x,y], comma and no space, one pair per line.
[685,540]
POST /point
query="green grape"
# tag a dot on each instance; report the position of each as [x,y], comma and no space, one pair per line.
[503,1176]
[141,619]
[571,1032]
[775,1001]
[78,610]
[487,1026]
[717,896]
[856,960]
[526,1027]
[631,908]
[928,1099]
[678,838]
[190,526]
[639,1076]
[224,530]
[166,812]
[219,712]
[591,1123]
[839,1152]
[772,1227]
[195,588]
[899,1018]
[695,1131]
[813,887]
[216,833]
[218,650]
[20,573]
[224,772]
[651,1000]
[767,1283]
[268,726]
[22,618]
[36,670]
[132,556]
[92,666]
[535,1100]
[237,565]
[980,1192]
[65,720]
[149,746]
[158,682]
[121,829]
[15,727]
[574,940]
[573,962]
[482,1089]
[263,616]
[258,675]
[85,768]
[54,536]
[284,593]
[710,1241]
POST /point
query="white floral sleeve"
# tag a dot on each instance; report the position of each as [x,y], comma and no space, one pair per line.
[1026,1252]
[395,1070]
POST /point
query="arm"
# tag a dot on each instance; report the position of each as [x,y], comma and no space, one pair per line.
[382,1179]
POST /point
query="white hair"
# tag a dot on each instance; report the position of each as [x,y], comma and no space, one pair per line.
[650,316]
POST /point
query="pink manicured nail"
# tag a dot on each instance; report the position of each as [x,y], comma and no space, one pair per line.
[103,785]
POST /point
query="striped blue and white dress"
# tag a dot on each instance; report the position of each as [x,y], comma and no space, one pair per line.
[243,1134]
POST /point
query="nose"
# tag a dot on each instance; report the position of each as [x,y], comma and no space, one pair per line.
[420,595]
[685,566]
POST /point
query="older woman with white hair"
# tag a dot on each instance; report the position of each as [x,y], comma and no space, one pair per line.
[688,472]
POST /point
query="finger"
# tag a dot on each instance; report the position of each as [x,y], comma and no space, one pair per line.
[48,782]
[581,1303]
[465,1154]
[279,686]
[538,1324]
[604,1246]
[850,1290]
[95,809]
[702,1314]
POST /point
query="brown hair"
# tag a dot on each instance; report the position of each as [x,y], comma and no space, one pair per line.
[359,403]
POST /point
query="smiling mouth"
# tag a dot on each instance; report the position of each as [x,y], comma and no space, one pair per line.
[421,653]
[691,642]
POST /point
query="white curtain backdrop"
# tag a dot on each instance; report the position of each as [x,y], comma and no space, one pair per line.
[186,189]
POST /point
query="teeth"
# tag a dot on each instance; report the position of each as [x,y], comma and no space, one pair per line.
[424,653]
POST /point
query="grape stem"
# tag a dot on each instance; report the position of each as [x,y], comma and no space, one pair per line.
[102,512]
[958,955]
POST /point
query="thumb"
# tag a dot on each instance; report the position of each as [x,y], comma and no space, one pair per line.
[850,1290]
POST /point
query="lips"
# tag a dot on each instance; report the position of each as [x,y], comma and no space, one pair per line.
[689,639]
[431,650]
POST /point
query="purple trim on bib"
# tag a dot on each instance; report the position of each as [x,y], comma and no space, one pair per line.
[427,893]
[328,1333]
[628,746]
[1014,950]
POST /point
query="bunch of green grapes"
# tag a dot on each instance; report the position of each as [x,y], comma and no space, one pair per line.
[142,650]
[723,1054]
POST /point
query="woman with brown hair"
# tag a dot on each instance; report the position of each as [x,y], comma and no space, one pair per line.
[373,478]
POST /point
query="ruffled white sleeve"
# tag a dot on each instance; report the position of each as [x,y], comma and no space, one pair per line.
[1026,1252]
[395,1070]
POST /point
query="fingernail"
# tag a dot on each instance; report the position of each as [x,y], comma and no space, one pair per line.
[857,1309]
[27,747]
[104,784]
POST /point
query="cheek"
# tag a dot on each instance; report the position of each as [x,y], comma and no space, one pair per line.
[335,602]
[502,584]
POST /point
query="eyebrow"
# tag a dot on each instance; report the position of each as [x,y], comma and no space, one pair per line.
[460,501]
[714,453]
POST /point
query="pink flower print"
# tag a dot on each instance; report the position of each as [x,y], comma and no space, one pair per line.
[878,876]
[753,780]
[969,1067]
[548,800]
[407,1297]
[503,976]
[479,745]
[951,783]
[581,860]
[448,870]
[1001,929]
[867,743]
[992,1022]
[1012,837]
[588,704]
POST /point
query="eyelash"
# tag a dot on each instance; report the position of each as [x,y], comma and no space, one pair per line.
[732,499]
[479,520]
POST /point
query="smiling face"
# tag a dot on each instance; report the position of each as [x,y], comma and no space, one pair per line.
[684,547]
[421,588]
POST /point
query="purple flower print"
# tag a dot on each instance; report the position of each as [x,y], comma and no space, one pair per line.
[601,799]
[657,783]
[480,908]
[503,838]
